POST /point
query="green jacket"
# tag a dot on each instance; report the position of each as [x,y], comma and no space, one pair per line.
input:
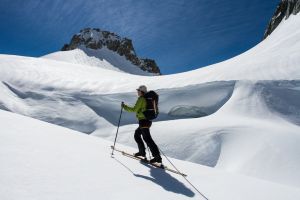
[139,108]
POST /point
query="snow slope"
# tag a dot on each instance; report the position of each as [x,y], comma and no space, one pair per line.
[246,118]
[44,161]
[102,58]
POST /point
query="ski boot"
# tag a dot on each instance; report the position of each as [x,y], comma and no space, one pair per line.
[156,159]
[140,154]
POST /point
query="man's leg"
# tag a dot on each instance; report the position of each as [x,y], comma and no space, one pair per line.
[139,141]
[149,141]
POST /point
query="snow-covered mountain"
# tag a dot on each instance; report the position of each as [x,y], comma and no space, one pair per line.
[105,49]
[284,9]
[239,117]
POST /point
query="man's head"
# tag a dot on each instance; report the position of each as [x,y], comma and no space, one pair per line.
[142,90]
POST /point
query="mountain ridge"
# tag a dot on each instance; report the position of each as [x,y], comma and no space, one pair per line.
[284,9]
[95,38]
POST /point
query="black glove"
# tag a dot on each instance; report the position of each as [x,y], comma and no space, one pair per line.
[122,104]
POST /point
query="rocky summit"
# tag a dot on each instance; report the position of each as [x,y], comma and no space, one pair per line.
[97,39]
[284,9]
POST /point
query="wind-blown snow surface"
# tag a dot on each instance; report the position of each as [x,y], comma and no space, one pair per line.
[240,116]
[44,161]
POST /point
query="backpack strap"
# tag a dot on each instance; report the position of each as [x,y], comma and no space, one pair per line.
[154,106]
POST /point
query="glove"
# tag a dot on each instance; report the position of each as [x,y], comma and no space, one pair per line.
[122,104]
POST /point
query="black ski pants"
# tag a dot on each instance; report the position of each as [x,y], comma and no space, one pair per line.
[143,130]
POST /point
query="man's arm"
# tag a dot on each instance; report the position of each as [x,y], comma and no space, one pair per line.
[136,107]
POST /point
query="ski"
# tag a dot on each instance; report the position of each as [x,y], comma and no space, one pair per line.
[144,160]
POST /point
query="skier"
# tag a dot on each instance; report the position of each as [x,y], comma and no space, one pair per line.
[144,126]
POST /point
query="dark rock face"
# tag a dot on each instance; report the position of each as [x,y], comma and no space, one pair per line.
[96,39]
[284,9]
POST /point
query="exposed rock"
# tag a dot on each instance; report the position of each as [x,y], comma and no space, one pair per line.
[96,39]
[284,9]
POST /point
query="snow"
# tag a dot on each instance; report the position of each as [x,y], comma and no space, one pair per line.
[102,58]
[40,160]
[242,137]
[187,111]
[233,127]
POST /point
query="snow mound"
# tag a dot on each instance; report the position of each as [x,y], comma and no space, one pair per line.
[51,106]
[87,112]
[282,97]
[102,58]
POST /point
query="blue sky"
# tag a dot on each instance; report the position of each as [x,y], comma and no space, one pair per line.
[180,35]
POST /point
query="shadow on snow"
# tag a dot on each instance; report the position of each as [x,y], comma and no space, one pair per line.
[163,179]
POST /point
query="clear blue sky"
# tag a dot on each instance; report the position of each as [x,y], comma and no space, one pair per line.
[180,35]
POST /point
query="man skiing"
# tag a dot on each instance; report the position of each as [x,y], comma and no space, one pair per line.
[144,126]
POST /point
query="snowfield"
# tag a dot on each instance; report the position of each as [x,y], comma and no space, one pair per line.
[233,127]
[43,161]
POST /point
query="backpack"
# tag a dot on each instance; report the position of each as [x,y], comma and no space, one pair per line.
[151,111]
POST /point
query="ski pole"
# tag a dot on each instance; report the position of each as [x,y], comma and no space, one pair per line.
[112,153]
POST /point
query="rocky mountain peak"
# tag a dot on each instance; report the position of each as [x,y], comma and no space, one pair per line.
[94,38]
[284,9]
